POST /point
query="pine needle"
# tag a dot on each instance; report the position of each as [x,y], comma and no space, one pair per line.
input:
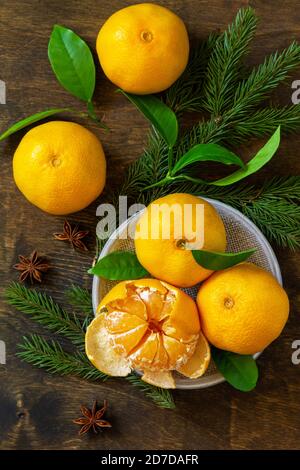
[50,356]
[43,310]
[265,121]
[263,79]
[81,300]
[216,81]
[274,207]
[224,65]
[186,93]
[160,396]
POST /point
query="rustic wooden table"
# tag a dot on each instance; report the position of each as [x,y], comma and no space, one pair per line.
[36,409]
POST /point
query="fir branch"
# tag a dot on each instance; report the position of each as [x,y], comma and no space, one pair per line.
[80,299]
[265,121]
[50,356]
[224,65]
[262,80]
[42,309]
[151,166]
[274,207]
[186,93]
[232,101]
[160,396]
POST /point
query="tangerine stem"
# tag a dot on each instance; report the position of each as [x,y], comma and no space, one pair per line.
[165,180]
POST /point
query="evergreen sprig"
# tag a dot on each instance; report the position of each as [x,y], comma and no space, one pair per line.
[224,65]
[43,310]
[216,82]
[50,355]
[81,300]
[160,396]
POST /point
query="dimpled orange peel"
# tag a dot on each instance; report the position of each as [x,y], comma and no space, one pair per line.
[60,167]
[165,253]
[150,326]
[143,48]
[242,309]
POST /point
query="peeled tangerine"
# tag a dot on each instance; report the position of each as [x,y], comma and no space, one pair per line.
[150,326]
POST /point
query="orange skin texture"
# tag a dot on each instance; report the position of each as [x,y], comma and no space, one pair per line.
[60,167]
[242,309]
[162,257]
[143,48]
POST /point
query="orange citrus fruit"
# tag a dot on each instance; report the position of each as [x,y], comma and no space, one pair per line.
[165,251]
[60,167]
[143,48]
[242,309]
[147,325]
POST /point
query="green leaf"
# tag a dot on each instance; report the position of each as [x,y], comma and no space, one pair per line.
[240,371]
[262,157]
[207,152]
[72,62]
[119,266]
[216,261]
[159,114]
[30,120]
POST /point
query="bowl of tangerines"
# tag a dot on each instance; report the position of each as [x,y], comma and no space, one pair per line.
[210,292]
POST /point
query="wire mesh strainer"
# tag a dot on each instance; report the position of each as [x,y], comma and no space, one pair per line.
[241,234]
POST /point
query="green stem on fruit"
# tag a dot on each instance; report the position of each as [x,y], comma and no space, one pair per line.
[169,179]
[166,180]
[92,114]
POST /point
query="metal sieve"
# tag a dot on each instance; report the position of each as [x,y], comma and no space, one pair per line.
[241,234]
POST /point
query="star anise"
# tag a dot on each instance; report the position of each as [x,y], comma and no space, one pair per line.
[72,235]
[92,419]
[32,266]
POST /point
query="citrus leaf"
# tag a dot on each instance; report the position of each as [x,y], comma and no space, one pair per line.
[239,370]
[216,261]
[119,266]
[207,152]
[72,62]
[159,114]
[262,157]
[30,120]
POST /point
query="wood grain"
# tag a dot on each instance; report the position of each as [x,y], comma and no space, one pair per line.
[36,409]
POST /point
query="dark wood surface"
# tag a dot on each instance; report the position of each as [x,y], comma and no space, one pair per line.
[36,409]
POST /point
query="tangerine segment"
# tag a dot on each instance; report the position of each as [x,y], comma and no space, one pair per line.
[163,379]
[183,323]
[122,289]
[100,351]
[169,334]
[197,365]
[124,343]
[144,355]
[121,322]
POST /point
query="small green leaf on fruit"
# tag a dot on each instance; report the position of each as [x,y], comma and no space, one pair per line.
[119,266]
[239,370]
[215,260]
